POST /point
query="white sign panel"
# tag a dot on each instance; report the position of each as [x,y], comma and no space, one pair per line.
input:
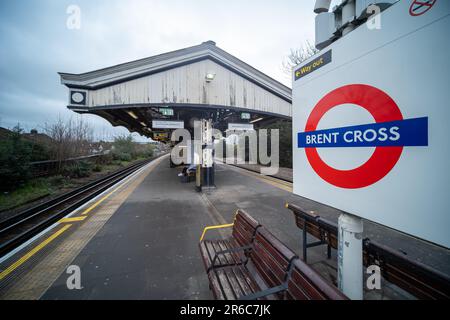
[240,126]
[162,124]
[371,123]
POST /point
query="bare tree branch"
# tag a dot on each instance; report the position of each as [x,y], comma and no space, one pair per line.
[297,56]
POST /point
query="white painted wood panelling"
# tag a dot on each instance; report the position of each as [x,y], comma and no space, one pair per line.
[187,84]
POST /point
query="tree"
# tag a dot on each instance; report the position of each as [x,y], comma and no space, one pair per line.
[285,130]
[15,156]
[123,148]
[70,138]
[298,56]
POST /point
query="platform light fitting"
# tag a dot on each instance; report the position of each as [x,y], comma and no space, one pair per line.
[210,76]
[256,120]
[143,124]
[132,114]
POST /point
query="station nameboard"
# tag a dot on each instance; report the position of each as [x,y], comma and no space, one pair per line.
[369,146]
[240,126]
[164,124]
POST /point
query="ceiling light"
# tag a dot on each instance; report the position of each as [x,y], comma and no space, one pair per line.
[256,120]
[132,114]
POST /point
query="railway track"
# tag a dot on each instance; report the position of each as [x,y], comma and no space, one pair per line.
[21,227]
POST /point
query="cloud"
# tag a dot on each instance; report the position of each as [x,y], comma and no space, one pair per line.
[36,43]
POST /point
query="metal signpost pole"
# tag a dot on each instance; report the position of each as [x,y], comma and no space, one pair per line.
[207,145]
[350,259]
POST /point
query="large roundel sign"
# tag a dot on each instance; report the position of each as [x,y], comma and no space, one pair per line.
[389,135]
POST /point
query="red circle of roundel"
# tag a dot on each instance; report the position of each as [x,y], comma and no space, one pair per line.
[383,160]
[419,7]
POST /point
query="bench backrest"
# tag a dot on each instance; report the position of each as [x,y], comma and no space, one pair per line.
[271,258]
[316,226]
[418,279]
[307,284]
[244,228]
[414,277]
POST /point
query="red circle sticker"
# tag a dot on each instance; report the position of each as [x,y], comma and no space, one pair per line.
[419,7]
[383,109]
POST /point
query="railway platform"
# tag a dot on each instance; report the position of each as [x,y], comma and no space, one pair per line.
[139,240]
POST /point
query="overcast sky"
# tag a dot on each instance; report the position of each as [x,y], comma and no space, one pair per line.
[36,44]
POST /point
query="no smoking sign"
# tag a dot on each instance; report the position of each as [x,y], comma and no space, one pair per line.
[419,7]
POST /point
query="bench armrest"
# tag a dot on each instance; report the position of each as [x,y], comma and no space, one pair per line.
[218,227]
[214,228]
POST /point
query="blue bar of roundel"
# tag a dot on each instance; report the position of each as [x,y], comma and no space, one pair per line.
[413,133]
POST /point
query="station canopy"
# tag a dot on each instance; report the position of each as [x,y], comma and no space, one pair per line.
[156,95]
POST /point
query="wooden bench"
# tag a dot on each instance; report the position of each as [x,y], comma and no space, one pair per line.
[414,277]
[244,231]
[319,228]
[253,264]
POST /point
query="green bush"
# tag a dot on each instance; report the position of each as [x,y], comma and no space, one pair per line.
[122,156]
[125,149]
[285,145]
[150,152]
[29,191]
[105,159]
[79,169]
[56,180]
[15,157]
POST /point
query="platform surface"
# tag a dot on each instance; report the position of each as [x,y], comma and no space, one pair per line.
[148,247]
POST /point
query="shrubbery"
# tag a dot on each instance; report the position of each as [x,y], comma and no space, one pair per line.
[17,152]
[79,169]
[122,156]
[125,149]
[285,132]
[15,156]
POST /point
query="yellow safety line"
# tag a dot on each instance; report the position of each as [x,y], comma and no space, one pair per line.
[215,227]
[100,201]
[281,184]
[74,219]
[277,185]
[35,250]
